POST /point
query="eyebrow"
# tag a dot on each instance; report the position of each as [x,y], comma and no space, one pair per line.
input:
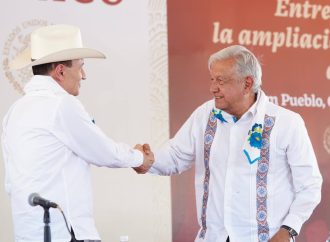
[223,78]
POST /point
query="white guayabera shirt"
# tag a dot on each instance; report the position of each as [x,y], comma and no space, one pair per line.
[292,187]
[49,142]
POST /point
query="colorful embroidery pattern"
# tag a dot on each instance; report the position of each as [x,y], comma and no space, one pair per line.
[208,140]
[218,114]
[255,136]
[261,179]
[253,144]
[261,176]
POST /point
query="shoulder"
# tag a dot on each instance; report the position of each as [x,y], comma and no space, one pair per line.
[70,106]
[284,116]
[202,112]
[279,111]
[205,108]
[70,101]
[200,115]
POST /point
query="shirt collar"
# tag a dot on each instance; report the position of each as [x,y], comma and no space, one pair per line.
[40,83]
[223,116]
[250,113]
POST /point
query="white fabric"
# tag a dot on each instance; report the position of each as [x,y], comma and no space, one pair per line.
[294,180]
[49,142]
[253,153]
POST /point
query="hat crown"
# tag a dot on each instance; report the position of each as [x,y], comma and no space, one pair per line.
[52,44]
[51,39]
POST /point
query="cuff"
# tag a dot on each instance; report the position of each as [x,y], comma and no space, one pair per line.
[293,221]
[137,158]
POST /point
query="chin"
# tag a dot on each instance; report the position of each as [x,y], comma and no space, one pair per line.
[219,105]
[75,93]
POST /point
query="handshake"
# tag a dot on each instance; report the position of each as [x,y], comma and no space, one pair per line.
[148,158]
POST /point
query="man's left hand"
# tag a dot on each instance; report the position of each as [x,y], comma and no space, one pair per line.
[281,236]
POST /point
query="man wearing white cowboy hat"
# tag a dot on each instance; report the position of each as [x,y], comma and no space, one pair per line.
[49,140]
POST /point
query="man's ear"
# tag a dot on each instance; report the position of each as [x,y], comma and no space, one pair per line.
[248,84]
[58,72]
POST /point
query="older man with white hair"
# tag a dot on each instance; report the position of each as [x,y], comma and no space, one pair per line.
[256,174]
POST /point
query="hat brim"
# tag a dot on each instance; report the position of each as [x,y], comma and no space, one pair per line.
[24,58]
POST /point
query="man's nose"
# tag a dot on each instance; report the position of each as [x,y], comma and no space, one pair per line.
[214,88]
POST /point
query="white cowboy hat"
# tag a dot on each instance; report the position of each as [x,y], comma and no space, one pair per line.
[51,44]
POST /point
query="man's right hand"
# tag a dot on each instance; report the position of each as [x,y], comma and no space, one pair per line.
[148,158]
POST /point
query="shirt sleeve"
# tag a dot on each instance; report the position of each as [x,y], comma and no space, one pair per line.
[5,152]
[307,180]
[179,153]
[74,127]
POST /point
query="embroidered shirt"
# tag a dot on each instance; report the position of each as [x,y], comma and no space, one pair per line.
[293,182]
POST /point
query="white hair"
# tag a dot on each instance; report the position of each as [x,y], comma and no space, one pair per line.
[246,64]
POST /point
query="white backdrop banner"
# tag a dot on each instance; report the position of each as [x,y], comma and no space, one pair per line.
[123,93]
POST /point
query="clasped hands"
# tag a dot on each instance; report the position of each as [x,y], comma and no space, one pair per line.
[148,158]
